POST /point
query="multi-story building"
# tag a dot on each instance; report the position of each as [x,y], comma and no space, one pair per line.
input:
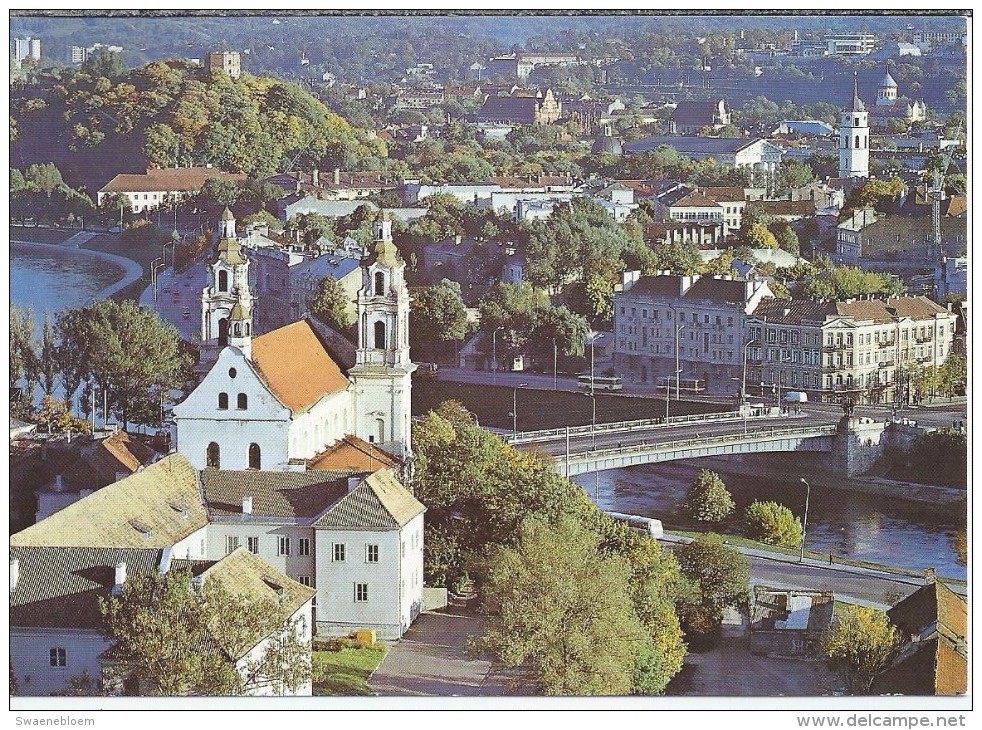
[81,54]
[227,62]
[162,186]
[858,348]
[27,48]
[695,323]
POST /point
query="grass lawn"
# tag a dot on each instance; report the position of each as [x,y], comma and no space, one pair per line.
[345,672]
[537,409]
[41,235]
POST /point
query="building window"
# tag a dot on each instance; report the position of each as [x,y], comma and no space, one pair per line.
[338,552]
[371,553]
[255,457]
[379,283]
[304,546]
[361,592]
[59,657]
[222,281]
[304,580]
[283,546]
[231,544]
[242,401]
[213,456]
[380,335]
[223,401]
[232,372]
[254,545]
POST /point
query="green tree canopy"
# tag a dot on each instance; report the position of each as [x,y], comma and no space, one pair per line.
[708,499]
[831,282]
[561,614]
[861,643]
[773,524]
[719,574]
[436,315]
[182,640]
[330,304]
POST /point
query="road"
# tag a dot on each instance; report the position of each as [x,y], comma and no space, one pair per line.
[177,295]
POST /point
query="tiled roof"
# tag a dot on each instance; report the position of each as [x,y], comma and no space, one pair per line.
[919,307]
[296,367]
[505,182]
[722,291]
[173,179]
[702,113]
[153,508]
[90,464]
[695,200]
[931,667]
[380,502]
[880,310]
[287,494]
[60,587]
[352,454]
[693,145]
[793,311]
[724,194]
[244,574]
[509,108]
[656,286]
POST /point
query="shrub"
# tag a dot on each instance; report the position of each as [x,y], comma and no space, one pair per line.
[708,499]
[773,524]
[701,626]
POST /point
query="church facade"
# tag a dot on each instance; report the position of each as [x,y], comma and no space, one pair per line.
[275,401]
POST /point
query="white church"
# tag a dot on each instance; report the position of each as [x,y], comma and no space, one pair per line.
[276,401]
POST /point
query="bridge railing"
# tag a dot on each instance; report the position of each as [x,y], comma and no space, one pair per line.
[759,434]
[551,434]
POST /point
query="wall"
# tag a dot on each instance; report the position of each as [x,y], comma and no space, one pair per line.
[305,628]
[268,532]
[31,659]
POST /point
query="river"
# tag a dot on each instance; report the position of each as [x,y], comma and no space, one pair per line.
[848,523]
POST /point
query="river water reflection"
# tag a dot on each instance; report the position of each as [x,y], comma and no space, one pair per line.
[848,523]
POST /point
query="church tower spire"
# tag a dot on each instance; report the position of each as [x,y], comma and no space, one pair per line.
[227,292]
[854,137]
[382,369]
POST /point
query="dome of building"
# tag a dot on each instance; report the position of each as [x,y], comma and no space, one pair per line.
[888,82]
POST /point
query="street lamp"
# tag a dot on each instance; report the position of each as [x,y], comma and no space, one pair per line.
[591,337]
[155,270]
[804,529]
[678,370]
[494,354]
[555,365]
[514,406]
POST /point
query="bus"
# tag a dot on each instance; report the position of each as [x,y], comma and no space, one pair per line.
[600,382]
[685,385]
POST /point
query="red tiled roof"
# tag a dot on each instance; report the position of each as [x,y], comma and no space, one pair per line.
[352,454]
[695,200]
[172,179]
[728,194]
[803,208]
[296,367]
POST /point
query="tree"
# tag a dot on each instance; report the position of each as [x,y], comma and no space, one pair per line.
[559,613]
[330,304]
[773,523]
[436,315]
[47,360]
[24,360]
[708,500]
[830,282]
[719,574]
[793,174]
[861,643]
[182,640]
[786,238]
[954,375]
[757,236]
[104,63]
[132,355]
[878,194]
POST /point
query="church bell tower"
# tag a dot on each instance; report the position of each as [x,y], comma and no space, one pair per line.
[383,369]
[227,293]
[854,137]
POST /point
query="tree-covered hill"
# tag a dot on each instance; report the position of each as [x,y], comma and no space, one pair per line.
[102,120]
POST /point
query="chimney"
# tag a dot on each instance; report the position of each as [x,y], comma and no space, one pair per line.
[14,573]
[247,505]
[353,483]
[337,175]
[315,177]
[120,577]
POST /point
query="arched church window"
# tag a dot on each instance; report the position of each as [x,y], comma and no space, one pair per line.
[255,457]
[380,335]
[223,331]
[213,457]
[222,281]
[246,325]
[242,402]
[237,329]
[379,283]
[223,401]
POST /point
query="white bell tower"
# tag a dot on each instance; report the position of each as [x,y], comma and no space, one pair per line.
[228,289]
[382,371]
[854,137]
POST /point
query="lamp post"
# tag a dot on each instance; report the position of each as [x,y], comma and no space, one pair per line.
[155,270]
[514,407]
[591,337]
[678,370]
[555,365]
[804,529]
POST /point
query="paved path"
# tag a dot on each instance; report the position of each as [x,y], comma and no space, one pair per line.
[431,660]
[177,294]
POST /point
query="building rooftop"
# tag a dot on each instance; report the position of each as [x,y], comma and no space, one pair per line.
[283,494]
[296,366]
[352,454]
[153,508]
[170,179]
[692,145]
[380,502]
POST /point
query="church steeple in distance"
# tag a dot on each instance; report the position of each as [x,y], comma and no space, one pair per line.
[854,136]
